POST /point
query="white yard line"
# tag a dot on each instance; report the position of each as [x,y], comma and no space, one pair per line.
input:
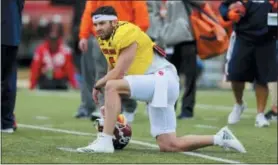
[132,141]
[41,118]
[223,108]
[205,126]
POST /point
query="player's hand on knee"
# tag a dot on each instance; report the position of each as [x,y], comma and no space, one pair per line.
[83,45]
[95,94]
[102,111]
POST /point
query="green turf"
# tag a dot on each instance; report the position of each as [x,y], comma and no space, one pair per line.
[37,146]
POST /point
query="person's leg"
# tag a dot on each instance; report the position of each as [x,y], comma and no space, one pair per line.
[14,91]
[77,54]
[189,69]
[84,91]
[175,59]
[200,67]
[261,97]
[272,113]
[169,142]
[163,127]
[238,88]
[8,89]
[112,108]
[239,69]
[266,71]
[100,65]
[273,93]
[113,90]
[76,58]
[88,73]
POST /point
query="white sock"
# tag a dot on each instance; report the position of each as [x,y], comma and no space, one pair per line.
[107,137]
[217,140]
[260,115]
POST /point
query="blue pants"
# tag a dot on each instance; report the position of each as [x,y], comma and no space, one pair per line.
[8,85]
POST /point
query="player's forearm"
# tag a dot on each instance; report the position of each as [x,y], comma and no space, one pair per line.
[111,75]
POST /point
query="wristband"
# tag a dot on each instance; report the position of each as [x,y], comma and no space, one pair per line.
[97,88]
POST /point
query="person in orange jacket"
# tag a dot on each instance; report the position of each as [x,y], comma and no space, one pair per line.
[135,12]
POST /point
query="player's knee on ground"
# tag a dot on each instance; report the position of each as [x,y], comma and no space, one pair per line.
[168,144]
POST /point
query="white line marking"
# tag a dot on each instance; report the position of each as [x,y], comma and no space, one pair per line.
[205,126]
[132,141]
[211,119]
[56,130]
[67,149]
[54,93]
[42,117]
[222,108]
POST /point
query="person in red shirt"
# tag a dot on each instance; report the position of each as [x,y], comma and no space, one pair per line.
[52,65]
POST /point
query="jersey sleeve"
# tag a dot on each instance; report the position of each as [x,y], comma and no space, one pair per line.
[125,35]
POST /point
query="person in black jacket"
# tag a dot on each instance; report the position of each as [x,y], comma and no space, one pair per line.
[252,58]
[11,14]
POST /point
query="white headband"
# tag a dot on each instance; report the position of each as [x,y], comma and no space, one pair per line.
[102,17]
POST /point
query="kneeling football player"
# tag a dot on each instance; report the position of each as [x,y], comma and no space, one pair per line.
[138,69]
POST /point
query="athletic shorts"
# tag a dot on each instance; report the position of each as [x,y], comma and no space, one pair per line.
[162,120]
[249,62]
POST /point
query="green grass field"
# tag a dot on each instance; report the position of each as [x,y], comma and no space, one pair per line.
[45,117]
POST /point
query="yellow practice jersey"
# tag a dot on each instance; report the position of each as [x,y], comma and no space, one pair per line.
[124,35]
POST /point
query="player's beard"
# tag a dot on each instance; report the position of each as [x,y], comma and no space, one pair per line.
[107,34]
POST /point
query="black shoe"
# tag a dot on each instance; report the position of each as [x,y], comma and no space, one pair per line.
[182,116]
[81,115]
[95,115]
[270,115]
[94,118]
